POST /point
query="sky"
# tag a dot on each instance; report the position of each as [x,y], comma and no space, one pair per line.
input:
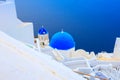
[2,0]
[94,24]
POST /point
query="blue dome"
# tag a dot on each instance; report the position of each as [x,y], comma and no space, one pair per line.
[42,31]
[62,41]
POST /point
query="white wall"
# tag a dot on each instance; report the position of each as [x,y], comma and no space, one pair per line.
[10,24]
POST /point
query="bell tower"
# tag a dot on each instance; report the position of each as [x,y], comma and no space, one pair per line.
[43,37]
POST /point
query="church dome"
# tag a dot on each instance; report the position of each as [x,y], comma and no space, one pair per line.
[42,31]
[62,41]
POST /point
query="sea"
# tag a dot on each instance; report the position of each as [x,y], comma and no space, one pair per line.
[94,24]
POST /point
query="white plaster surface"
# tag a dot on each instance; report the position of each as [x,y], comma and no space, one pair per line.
[19,62]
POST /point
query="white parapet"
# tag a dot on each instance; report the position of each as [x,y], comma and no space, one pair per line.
[10,24]
[117,48]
